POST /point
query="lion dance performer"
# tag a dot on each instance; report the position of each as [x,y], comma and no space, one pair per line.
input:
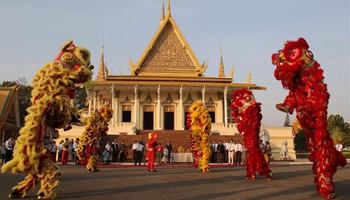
[52,108]
[96,127]
[193,143]
[247,113]
[199,123]
[302,76]
[151,150]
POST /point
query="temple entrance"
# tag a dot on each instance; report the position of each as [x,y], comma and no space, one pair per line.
[185,117]
[168,117]
[148,117]
[211,110]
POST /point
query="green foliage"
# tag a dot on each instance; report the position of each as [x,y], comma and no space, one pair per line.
[346,154]
[339,130]
[300,141]
[24,95]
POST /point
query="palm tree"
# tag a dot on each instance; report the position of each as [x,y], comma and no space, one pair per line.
[339,130]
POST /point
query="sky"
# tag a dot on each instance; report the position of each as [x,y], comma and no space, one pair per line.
[31,33]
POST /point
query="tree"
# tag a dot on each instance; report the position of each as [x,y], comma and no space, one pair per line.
[300,141]
[339,130]
[24,95]
[80,97]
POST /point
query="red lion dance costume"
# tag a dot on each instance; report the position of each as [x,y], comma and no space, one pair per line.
[151,150]
[199,123]
[247,113]
[96,127]
[302,76]
[52,108]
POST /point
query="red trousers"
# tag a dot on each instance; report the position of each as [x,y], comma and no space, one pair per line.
[150,156]
[64,158]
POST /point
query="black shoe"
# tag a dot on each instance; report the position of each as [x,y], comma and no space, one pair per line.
[15,194]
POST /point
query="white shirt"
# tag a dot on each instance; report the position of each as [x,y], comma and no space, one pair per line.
[9,145]
[238,147]
[339,147]
[134,146]
[54,148]
[226,145]
[139,147]
[215,146]
[108,147]
[75,146]
[60,147]
[231,146]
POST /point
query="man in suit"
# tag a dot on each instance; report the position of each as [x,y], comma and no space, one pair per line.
[221,152]
[214,148]
[170,149]
[115,150]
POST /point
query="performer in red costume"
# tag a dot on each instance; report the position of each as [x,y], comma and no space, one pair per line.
[302,76]
[247,113]
[151,149]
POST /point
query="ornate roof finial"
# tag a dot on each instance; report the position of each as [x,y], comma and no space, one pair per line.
[249,77]
[101,76]
[168,14]
[163,15]
[221,66]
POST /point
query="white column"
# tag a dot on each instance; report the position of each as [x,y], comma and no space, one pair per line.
[98,102]
[136,113]
[113,88]
[159,124]
[181,88]
[89,94]
[225,105]
[204,88]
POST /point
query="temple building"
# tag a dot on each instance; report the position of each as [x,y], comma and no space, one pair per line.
[163,84]
[9,112]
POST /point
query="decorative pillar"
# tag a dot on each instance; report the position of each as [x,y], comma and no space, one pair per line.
[89,95]
[113,88]
[181,88]
[159,124]
[225,105]
[204,88]
[136,115]
[95,100]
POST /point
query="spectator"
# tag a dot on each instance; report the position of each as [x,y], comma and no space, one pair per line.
[3,152]
[339,147]
[105,155]
[9,149]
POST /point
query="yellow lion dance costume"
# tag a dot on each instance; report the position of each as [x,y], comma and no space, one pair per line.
[96,127]
[199,123]
[52,108]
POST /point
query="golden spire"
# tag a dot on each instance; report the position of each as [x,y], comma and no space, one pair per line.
[221,66]
[101,76]
[168,14]
[163,15]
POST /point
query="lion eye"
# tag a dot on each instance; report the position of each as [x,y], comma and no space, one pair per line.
[83,55]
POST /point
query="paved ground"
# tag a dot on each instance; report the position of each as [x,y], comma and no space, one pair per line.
[179,181]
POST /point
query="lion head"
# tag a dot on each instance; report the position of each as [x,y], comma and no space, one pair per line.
[241,99]
[77,60]
[291,61]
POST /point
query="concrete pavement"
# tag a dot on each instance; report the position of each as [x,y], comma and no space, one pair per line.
[178,181]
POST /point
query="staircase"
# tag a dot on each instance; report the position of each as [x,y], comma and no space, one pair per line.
[177,138]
